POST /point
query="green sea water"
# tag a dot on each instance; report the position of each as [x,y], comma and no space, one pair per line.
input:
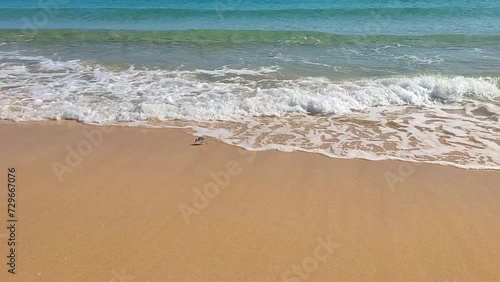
[427,66]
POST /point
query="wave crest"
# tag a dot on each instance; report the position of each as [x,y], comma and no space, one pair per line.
[95,93]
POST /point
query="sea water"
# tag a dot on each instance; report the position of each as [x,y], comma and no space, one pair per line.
[410,80]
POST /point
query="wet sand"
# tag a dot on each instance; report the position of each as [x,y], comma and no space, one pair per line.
[136,204]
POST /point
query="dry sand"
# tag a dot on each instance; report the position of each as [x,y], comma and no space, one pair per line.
[116,215]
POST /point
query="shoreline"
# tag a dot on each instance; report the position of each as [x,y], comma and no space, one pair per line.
[142,204]
[185,129]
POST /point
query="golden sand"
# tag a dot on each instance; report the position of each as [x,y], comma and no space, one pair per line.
[135,204]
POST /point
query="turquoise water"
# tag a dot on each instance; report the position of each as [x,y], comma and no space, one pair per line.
[319,37]
[461,37]
[431,67]
[341,17]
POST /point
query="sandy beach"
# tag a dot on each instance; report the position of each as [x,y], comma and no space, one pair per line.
[136,204]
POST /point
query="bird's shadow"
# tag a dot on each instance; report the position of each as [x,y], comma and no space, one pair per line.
[194,144]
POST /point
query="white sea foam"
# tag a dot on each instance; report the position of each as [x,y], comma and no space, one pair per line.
[419,60]
[226,71]
[440,119]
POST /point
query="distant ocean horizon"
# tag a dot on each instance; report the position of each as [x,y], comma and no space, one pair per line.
[406,80]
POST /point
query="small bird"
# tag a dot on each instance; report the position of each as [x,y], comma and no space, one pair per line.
[200,140]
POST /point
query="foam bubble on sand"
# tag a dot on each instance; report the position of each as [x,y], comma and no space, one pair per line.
[442,135]
[434,118]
